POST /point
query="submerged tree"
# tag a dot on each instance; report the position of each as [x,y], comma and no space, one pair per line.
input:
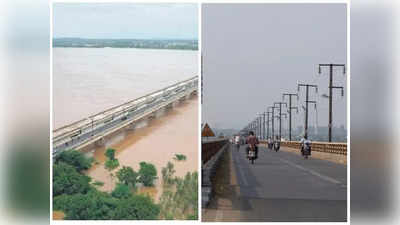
[111,162]
[127,176]
[147,173]
[110,153]
[167,174]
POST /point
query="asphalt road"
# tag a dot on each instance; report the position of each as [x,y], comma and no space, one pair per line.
[282,186]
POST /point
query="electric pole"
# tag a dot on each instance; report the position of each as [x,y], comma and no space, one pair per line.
[268,113]
[284,115]
[290,111]
[307,101]
[331,87]
[273,118]
[280,116]
[260,126]
[263,126]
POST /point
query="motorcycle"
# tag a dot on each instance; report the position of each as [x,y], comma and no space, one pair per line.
[277,146]
[306,150]
[270,145]
[251,155]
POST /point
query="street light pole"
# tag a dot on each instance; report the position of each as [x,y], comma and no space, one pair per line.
[290,111]
[331,87]
[307,101]
[273,118]
[268,113]
[280,116]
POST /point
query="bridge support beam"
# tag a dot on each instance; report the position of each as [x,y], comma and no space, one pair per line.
[101,142]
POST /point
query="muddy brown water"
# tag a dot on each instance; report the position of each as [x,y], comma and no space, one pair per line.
[173,131]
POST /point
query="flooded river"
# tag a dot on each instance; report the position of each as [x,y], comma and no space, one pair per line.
[87,81]
[173,132]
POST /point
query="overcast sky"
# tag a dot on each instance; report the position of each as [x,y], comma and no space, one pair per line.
[255,52]
[125,20]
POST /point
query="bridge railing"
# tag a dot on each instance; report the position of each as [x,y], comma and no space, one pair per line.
[210,146]
[106,119]
[212,150]
[335,147]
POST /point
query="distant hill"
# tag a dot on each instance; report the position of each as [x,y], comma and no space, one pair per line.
[125,43]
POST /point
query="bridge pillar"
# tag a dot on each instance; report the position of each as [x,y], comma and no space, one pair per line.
[169,106]
[100,142]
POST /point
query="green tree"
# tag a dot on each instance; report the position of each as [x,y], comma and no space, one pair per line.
[66,180]
[94,205]
[111,164]
[127,175]
[180,157]
[138,207]
[75,159]
[167,173]
[110,153]
[147,174]
[121,191]
[181,200]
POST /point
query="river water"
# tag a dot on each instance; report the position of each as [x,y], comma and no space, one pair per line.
[90,80]
[87,81]
[173,132]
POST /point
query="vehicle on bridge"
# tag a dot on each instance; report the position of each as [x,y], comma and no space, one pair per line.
[252,155]
[270,144]
[277,144]
[306,149]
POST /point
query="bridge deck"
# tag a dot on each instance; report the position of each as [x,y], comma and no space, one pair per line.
[88,130]
[280,186]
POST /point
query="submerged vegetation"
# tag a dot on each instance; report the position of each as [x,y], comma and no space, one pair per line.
[77,197]
[180,195]
[111,162]
[126,175]
[180,157]
[147,174]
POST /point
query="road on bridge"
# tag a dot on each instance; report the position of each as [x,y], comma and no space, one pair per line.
[279,186]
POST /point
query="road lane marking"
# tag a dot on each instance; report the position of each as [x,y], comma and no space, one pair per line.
[321,176]
[241,174]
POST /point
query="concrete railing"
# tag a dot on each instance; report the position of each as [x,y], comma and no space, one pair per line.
[211,152]
[209,147]
[335,148]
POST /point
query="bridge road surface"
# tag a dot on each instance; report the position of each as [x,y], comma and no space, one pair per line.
[281,186]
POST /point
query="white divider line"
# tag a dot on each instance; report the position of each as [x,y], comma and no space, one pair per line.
[240,170]
[323,177]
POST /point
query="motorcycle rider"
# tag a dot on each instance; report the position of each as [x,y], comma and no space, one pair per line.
[270,143]
[253,142]
[277,141]
[237,141]
[303,142]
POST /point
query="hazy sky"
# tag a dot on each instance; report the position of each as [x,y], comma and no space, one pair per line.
[255,52]
[125,20]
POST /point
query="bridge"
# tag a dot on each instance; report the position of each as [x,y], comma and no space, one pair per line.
[95,128]
[279,186]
